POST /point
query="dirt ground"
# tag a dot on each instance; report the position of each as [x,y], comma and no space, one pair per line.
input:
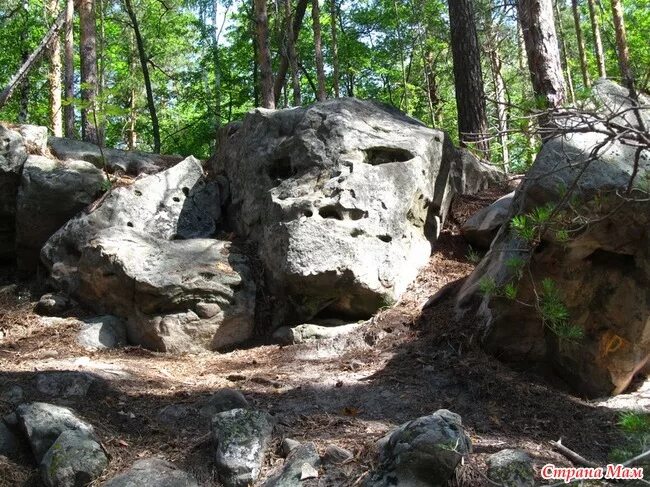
[350,391]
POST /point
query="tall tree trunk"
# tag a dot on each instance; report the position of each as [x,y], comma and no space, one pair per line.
[563,51]
[264,54]
[401,56]
[30,61]
[598,43]
[500,101]
[216,55]
[525,95]
[301,8]
[88,45]
[145,74]
[538,27]
[586,81]
[23,110]
[132,136]
[468,77]
[621,45]
[54,75]
[292,55]
[318,51]
[68,75]
[335,49]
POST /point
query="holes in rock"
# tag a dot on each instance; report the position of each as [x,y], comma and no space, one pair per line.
[138,192]
[176,199]
[129,224]
[356,214]
[308,213]
[385,238]
[384,155]
[356,232]
[186,191]
[605,258]
[330,212]
[281,168]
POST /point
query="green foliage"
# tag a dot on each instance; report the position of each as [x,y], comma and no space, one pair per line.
[636,428]
[555,314]
[510,291]
[473,256]
[488,286]
[524,228]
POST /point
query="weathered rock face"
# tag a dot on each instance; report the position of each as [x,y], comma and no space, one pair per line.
[342,198]
[129,162]
[13,155]
[601,273]
[481,228]
[176,295]
[511,468]
[176,203]
[50,193]
[152,471]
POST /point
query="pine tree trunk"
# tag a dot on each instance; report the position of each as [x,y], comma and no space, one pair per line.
[301,8]
[216,54]
[401,57]
[318,51]
[598,43]
[88,55]
[500,102]
[292,55]
[538,27]
[335,49]
[68,75]
[525,95]
[23,109]
[468,77]
[586,81]
[621,45]
[54,75]
[264,54]
[145,74]
[563,51]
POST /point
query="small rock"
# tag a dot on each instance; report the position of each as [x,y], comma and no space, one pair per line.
[422,452]
[241,438]
[75,459]
[481,228]
[13,395]
[288,445]
[53,304]
[223,400]
[42,423]
[64,383]
[102,332]
[172,414]
[336,454]
[301,464]
[309,332]
[511,468]
[8,441]
[151,472]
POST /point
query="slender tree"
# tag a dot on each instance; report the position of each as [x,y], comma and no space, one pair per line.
[468,77]
[54,75]
[598,43]
[88,55]
[335,48]
[622,50]
[139,41]
[298,17]
[538,27]
[586,81]
[318,51]
[68,75]
[291,54]
[563,50]
[264,54]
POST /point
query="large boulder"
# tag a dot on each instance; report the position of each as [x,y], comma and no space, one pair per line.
[343,200]
[175,295]
[174,204]
[13,155]
[129,162]
[587,269]
[50,193]
[481,228]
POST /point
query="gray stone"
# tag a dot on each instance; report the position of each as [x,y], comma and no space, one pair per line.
[288,445]
[481,228]
[53,304]
[343,199]
[42,423]
[129,162]
[8,441]
[102,332]
[151,472]
[50,194]
[223,400]
[173,414]
[337,454]
[12,157]
[422,453]
[612,99]
[511,468]
[601,272]
[13,395]
[65,383]
[241,439]
[301,463]
[309,332]
[74,460]
[34,137]
[175,204]
[155,284]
